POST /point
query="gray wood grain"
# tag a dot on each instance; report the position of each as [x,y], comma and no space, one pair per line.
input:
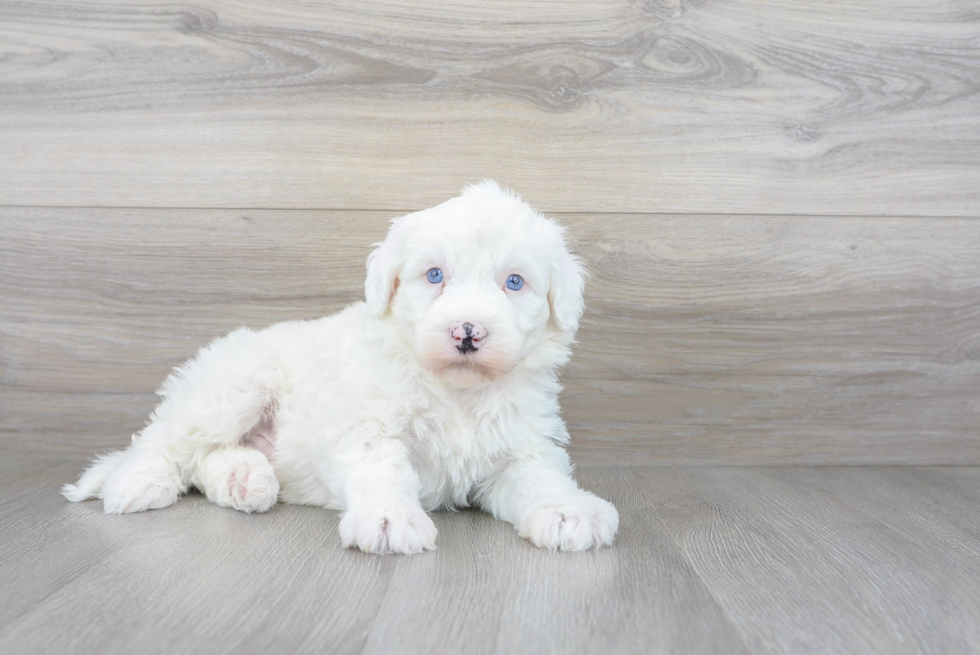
[726,107]
[197,578]
[774,340]
[706,339]
[37,534]
[833,560]
[639,597]
[189,580]
[861,560]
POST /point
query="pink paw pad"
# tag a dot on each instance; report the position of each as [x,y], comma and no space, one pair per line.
[238,485]
[248,486]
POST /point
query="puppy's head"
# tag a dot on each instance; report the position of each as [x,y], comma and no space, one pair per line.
[478,286]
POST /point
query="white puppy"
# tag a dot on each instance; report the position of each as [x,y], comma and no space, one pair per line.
[440,391]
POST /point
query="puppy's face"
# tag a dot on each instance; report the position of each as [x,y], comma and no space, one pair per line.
[477,286]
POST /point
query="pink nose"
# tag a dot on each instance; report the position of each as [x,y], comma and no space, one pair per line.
[468,336]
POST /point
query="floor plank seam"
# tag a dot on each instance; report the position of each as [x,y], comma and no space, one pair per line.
[732,623]
[700,576]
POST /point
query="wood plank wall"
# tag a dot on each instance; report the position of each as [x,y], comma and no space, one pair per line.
[779,202]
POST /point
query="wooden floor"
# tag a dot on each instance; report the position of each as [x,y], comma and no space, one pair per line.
[709,560]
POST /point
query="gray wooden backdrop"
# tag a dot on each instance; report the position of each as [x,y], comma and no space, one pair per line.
[779,202]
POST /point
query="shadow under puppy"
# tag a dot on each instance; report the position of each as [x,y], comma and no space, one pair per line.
[439,391]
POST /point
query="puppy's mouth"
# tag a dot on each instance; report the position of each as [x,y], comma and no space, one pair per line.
[468,359]
[474,362]
[467,372]
[466,354]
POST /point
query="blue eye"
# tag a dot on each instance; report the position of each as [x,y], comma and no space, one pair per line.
[434,275]
[515,282]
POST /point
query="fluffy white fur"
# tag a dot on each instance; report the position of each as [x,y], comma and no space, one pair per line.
[376,411]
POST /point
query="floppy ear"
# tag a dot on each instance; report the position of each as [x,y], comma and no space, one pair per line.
[383,265]
[565,296]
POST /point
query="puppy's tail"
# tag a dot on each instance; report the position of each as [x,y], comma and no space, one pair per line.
[91,483]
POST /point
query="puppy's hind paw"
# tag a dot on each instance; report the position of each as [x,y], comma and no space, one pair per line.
[402,527]
[579,523]
[245,481]
[127,493]
[139,482]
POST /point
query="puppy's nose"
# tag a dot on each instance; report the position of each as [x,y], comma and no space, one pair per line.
[468,336]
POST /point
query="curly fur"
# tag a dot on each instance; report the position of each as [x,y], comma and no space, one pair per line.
[375,411]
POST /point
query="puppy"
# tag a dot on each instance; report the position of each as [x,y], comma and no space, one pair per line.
[439,391]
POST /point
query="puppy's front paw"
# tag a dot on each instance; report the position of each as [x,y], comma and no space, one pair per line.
[580,523]
[400,527]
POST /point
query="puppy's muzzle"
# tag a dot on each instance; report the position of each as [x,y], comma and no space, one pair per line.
[468,337]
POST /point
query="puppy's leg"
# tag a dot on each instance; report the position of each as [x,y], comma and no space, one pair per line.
[382,513]
[143,477]
[546,506]
[222,398]
[240,478]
